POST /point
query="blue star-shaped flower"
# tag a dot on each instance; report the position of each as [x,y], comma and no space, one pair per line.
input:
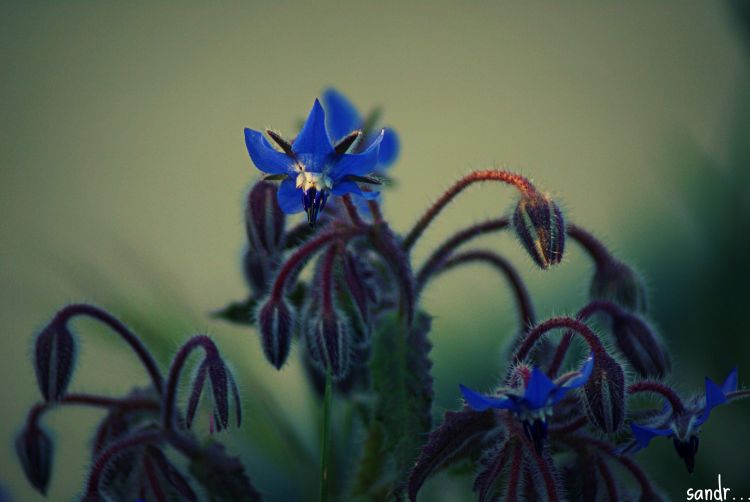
[342,118]
[536,402]
[311,167]
[683,427]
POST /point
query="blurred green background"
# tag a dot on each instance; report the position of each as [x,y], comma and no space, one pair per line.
[123,169]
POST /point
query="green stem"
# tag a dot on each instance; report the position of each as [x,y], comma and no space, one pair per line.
[325,439]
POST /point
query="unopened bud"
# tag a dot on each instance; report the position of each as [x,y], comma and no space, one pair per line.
[35,449]
[328,344]
[276,323]
[264,219]
[616,282]
[54,357]
[604,394]
[641,346]
[539,225]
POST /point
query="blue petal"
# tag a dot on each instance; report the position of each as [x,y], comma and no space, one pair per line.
[714,397]
[389,148]
[345,187]
[478,402]
[573,383]
[313,137]
[264,156]
[358,164]
[584,374]
[730,384]
[644,435]
[290,197]
[538,389]
[342,118]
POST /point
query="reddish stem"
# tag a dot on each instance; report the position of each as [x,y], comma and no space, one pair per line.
[326,273]
[523,300]
[518,181]
[377,215]
[583,315]
[659,388]
[351,209]
[310,247]
[438,256]
[593,246]
[609,480]
[115,448]
[84,309]
[561,322]
[95,401]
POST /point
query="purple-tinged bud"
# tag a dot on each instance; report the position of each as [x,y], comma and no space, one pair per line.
[264,219]
[259,268]
[35,449]
[616,282]
[540,227]
[641,346]
[604,394]
[328,342]
[54,359]
[276,324]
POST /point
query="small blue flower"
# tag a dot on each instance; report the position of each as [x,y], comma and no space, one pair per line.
[342,118]
[684,427]
[311,167]
[535,404]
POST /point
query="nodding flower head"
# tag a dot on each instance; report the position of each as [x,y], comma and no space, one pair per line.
[683,425]
[534,403]
[539,225]
[311,168]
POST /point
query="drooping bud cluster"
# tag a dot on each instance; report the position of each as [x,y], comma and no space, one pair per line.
[540,227]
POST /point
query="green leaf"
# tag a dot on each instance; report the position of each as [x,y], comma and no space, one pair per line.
[242,313]
[222,475]
[403,388]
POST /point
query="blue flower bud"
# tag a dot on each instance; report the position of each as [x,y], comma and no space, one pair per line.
[328,341]
[641,346]
[54,358]
[264,219]
[276,323]
[35,449]
[616,282]
[604,394]
[540,227]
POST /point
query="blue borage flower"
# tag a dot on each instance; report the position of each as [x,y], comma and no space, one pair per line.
[683,427]
[535,404]
[311,168]
[342,118]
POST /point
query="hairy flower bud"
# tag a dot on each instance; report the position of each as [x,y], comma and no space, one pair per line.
[328,342]
[539,225]
[258,267]
[276,323]
[604,394]
[54,357]
[35,449]
[616,282]
[641,346]
[264,219]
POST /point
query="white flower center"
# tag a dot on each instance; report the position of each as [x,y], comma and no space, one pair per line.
[318,181]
